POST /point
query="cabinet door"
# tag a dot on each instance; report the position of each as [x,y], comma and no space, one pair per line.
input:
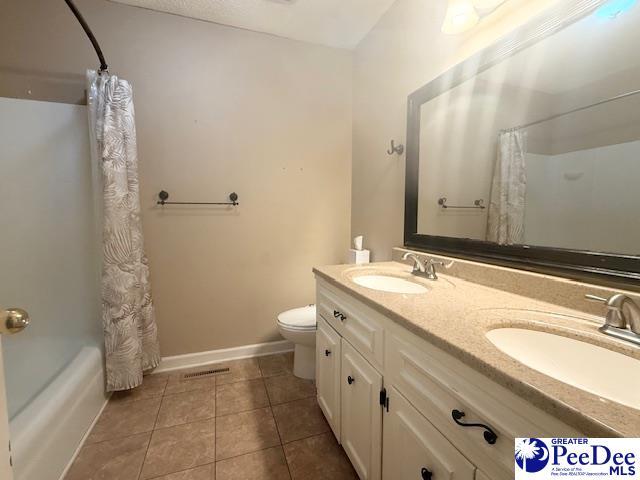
[361,413]
[328,374]
[414,449]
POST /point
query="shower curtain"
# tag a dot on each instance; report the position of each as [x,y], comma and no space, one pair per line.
[130,331]
[508,189]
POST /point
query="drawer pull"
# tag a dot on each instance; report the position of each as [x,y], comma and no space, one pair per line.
[350,379]
[426,474]
[337,314]
[489,435]
[327,353]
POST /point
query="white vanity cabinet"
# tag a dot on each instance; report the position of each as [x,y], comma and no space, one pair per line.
[328,361]
[414,449]
[387,379]
[361,413]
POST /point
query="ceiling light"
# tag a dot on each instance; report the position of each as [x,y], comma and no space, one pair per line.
[461,16]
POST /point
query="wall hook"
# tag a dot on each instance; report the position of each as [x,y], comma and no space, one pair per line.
[399,149]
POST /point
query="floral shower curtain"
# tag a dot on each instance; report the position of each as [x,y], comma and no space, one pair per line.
[508,189]
[130,332]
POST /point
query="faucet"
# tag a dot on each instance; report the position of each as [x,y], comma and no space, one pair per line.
[426,270]
[623,317]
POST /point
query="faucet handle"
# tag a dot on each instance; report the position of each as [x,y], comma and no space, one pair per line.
[614,307]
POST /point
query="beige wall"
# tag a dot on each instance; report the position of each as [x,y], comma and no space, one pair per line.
[403,52]
[218,110]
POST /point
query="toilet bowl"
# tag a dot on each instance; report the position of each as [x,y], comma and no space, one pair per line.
[299,327]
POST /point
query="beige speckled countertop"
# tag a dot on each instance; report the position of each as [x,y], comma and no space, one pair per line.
[456,314]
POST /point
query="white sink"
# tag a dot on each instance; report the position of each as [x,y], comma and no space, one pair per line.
[588,367]
[385,283]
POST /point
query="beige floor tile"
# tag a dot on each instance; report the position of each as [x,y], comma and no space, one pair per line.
[245,432]
[299,419]
[118,459]
[241,396]
[152,386]
[206,472]
[240,370]
[269,464]
[186,407]
[287,388]
[177,385]
[279,364]
[120,419]
[318,458]
[179,448]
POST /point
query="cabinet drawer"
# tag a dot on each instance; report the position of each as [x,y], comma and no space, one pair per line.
[436,384]
[414,449]
[353,320]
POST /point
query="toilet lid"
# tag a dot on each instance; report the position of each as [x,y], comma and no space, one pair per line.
[303,317]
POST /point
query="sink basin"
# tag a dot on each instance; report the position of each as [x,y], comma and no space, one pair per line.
[588,367]
[386,283]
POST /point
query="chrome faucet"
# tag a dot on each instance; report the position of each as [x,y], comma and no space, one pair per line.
[623,317]
[418,266]
[427,269]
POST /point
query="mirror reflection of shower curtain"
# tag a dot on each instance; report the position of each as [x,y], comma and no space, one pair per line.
[508,189]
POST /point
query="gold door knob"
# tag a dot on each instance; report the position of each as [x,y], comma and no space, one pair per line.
[15,320]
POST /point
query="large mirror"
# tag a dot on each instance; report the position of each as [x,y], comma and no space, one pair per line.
[530,151]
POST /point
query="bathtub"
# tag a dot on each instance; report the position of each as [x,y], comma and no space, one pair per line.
[46,435]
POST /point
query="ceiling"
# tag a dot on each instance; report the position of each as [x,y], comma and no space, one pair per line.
[334,23]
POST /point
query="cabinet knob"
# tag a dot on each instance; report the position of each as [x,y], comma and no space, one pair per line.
[426,474]
[327,353]
[350,379]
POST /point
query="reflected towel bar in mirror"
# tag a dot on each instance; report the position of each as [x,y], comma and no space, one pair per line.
[477,204]
[164,196]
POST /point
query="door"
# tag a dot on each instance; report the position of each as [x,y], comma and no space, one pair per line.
[6,472]
[414,449]
[361,426]
[328,374]
[50,254]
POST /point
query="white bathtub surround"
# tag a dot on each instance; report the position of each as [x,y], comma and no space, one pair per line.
[46,435]
[131,333]
[189,360]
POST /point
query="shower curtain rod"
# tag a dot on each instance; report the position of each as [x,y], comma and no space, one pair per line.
[87,30]
[575,110]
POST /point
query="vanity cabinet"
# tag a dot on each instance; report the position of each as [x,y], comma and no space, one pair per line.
[361,413]
[328,361]
[387,379]
[415,449]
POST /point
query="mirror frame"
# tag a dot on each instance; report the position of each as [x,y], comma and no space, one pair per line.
[557,261]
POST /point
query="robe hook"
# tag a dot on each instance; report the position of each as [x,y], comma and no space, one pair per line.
[399,149]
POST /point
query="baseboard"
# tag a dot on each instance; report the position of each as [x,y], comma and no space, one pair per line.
[198,359]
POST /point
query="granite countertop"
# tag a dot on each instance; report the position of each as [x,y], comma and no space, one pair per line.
[456,314]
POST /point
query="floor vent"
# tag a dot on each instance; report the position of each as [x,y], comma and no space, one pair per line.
[205,373]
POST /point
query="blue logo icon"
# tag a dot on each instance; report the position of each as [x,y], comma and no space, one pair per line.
[532,454]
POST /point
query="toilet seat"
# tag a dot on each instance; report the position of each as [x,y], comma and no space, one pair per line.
[299,319]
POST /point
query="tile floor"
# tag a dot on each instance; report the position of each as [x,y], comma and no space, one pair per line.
[256,422]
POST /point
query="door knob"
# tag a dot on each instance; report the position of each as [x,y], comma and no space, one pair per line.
[13,320]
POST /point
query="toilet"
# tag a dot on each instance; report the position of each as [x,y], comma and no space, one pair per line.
[299,327]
